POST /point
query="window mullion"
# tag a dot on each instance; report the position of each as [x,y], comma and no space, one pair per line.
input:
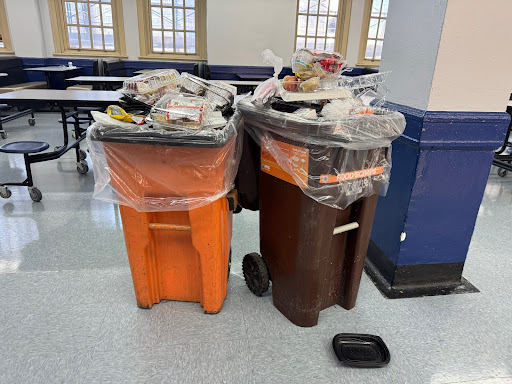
[78,26]
[90,24]
[162,27]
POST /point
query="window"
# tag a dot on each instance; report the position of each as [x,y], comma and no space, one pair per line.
[88,27]
[322,24]
[172,29]
[372,34]
[5,38]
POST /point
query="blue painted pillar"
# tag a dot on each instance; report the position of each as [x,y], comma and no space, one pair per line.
[423,226]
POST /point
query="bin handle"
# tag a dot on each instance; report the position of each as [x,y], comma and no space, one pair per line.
[345,228]
[169,227]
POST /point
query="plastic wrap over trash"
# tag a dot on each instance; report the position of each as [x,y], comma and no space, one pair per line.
[370,89]
[152,169]
[309,63]
[220,94]
[270,87]
[339,108]
[315,73]
[333,162]
[174,111]
[149,87]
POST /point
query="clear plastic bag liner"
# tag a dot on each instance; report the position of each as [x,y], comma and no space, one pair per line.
[275,61]
[151,169]
[333,162]
[270,87]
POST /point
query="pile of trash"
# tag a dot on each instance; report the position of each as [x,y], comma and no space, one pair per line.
[327,132]
[164,99]
[172,144]
[318,79]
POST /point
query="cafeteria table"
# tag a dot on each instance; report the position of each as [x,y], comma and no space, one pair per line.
[62,99]
[141,71]
[51,69]
[105,82]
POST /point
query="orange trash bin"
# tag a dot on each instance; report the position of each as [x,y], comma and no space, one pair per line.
[173,188]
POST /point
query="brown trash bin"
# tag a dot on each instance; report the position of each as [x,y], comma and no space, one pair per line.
[311,266]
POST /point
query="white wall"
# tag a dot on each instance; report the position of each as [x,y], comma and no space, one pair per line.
[237,30]
[354,32]
[25,28]
[473,63]
[131,29]
[44,17]
[413,33]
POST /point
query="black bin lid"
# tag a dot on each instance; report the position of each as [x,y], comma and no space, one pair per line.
[359,350]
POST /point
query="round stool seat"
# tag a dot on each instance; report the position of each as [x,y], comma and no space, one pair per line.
[24,147]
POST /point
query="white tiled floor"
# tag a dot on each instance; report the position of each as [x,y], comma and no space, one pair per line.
[68,312]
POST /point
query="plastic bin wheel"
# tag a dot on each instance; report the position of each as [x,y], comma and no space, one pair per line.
[35,194]
[3,134]
[502,172]
[256,273]
[83,154]
[5,192]
[32,121]
[82,167]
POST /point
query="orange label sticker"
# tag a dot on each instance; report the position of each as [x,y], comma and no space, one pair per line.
[327,179]
[297,157]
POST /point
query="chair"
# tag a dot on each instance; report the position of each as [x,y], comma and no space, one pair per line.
[26,148]
[113,67]
[202,69]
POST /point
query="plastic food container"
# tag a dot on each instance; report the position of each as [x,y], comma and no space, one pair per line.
[221,95]
[179,110]
[149,87]
[364,81]
[313,62]
[312,89]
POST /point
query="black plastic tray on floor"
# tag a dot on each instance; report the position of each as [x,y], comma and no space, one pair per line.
[359,350]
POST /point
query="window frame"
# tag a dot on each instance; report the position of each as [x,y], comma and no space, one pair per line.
[342,26]
[60,32]
[4,30]
[145,34]
[361,60]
